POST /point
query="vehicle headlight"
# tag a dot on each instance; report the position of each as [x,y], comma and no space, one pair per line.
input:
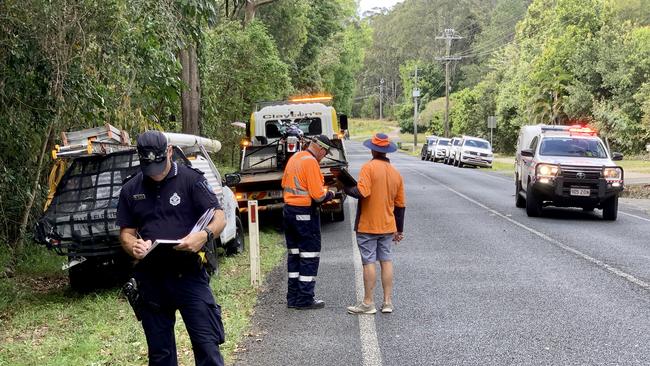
[613,173]
[547,170]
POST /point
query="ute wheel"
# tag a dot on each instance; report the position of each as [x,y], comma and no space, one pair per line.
[236,245]
[610,209]
[80,277]
[520,202]
[533,204]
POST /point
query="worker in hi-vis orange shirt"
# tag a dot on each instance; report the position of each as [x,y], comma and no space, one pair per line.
[303,193]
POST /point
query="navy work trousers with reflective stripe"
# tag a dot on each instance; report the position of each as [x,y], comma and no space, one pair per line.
[302,233]
[190,293]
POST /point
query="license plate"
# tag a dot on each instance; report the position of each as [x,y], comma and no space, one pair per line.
[580,192]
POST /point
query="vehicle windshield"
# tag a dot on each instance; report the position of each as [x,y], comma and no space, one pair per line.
[477,144]
[443,142]
[309,126]
[572,147]
[456,142]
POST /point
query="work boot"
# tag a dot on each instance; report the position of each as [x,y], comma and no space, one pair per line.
[362,308]
[317,304]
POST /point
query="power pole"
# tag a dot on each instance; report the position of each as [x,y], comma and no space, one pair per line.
[448,35]
[381,100]
[416,94]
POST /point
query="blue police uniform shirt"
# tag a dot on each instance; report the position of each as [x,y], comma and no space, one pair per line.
[166,210]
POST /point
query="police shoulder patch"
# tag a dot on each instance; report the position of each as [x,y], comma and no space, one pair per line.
[197,170]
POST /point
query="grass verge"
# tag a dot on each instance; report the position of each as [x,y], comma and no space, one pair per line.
[361,129]
[42,322]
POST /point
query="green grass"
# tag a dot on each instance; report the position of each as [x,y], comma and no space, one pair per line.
[503,167]
[637,166]
[361,129]
[43,323]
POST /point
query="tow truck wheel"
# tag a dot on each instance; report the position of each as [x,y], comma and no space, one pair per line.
[236,246]
[338,216]
[520,202]
[533,204]
[610,209]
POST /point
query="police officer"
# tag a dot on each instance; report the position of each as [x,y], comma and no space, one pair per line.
[303,193]
[164,201]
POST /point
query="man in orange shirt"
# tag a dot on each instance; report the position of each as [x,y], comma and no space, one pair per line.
[303,193]
[380,221]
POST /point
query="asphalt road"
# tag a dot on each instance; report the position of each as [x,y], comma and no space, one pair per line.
[477,282]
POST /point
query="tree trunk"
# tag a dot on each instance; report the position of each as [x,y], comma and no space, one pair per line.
[17,245]
[191,93]
[249,12]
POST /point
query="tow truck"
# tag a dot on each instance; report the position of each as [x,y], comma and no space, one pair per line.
[566,166]
[275,132]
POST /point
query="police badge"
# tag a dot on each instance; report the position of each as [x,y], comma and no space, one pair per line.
[175,199]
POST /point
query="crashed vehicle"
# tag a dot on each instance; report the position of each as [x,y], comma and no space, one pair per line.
[79,218]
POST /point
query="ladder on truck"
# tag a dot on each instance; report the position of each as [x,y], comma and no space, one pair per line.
[101,140]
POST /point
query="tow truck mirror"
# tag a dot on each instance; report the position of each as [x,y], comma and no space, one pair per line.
[232,179]
[617,156]
[527,152]
[343,121]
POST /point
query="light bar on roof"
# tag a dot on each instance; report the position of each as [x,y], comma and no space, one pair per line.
[313,98]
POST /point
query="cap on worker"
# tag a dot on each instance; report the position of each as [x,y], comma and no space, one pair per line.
[380,143]
[323,141]
[152,151]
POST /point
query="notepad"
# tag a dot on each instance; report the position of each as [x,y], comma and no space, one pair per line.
[161,242]
[201,224]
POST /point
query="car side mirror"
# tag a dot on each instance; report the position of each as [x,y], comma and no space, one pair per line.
[232,179]
[617,156]
[343,121]
[527,152]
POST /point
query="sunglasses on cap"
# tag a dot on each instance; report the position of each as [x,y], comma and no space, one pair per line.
[149,157]
[323,145]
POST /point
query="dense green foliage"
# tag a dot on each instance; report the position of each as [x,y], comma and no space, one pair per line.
[550,62]
[73,64]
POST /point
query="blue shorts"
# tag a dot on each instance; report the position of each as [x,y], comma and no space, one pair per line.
[375,247]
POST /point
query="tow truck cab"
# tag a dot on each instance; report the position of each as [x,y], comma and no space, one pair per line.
[566,166]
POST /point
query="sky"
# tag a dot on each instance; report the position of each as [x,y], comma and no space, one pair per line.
[369,4]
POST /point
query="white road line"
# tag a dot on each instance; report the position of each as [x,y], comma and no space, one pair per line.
[580,254]
[370,353]
[635,216]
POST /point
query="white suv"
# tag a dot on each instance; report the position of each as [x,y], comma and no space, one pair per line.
[440,149]
[454,144]
[566,166]
[474,151]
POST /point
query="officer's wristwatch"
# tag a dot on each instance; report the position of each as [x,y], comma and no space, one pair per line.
[210,234]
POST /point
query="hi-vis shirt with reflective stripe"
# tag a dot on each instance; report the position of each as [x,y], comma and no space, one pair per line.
[302,180]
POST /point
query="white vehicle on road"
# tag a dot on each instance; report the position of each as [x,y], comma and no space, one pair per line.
[454,145]
[566,166]
[476,152]
[440,149]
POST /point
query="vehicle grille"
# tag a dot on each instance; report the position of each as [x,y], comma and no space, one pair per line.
[572,172]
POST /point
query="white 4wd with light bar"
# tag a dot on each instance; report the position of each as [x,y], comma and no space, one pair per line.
[566,166]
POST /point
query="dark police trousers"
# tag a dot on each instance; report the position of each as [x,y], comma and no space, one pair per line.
[302,234]
[189,292]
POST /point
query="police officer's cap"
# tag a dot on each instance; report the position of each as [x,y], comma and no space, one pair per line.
[152,151]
